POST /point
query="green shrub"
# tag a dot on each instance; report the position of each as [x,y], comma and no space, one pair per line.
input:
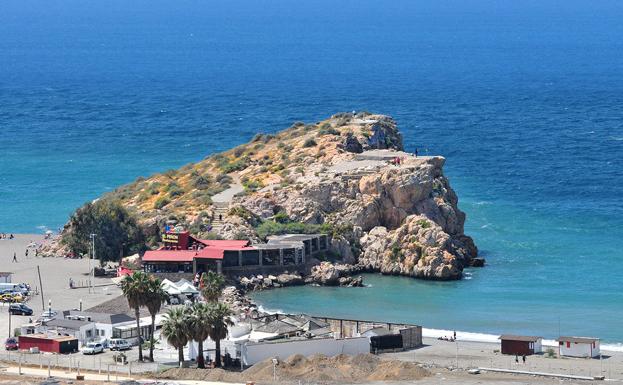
[244,213]
[202,182]
[175,191]
[239,151]
[423,223]
[116,231]
[396,254]
[309,143]
[161,202]
[281,217]
[328,131]
[223,179]
[212,236]
[272,227]
[252,185]
[229,166]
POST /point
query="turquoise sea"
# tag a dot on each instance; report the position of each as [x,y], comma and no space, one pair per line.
[524,99]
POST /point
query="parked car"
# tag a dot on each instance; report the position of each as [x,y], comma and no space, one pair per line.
[93,348]
[11,297]
[20,309]
[119,344]
[11,344]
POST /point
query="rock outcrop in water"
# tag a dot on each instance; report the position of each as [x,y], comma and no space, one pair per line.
[348,176]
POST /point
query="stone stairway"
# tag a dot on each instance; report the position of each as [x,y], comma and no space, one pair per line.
[220,215]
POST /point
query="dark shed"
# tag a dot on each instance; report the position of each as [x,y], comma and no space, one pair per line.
[385,342]
[520,345]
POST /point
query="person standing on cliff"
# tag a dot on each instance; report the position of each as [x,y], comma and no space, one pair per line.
[416,152]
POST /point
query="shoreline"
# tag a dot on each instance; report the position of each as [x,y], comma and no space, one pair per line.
[465,336]
[428,332]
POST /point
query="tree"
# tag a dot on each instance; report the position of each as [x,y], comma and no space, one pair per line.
[220,319]
[154,299]
[116,229]
[212,285]
[200,326]
[135,288]
[175,330]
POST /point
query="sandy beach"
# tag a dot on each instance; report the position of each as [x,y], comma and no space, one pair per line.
[55,274]
[441,358]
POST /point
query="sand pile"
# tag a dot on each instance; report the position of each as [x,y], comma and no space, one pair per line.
[318,368]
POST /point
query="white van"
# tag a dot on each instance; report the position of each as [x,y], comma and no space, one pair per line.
[119,344]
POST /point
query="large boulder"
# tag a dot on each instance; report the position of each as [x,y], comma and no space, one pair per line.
[418,248]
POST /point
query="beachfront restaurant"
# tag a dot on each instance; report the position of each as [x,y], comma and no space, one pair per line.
[521,345]
[183,253]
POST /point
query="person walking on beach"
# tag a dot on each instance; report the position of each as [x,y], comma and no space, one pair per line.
[26,253]
[523,359]
[516,359]
[14,257]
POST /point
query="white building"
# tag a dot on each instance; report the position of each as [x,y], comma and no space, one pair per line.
[578,346]
[104,323]
[253,353]
[5,277]
[84,331]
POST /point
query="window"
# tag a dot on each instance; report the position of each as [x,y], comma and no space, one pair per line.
[250,257]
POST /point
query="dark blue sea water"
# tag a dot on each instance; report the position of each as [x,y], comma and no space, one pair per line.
[525,99]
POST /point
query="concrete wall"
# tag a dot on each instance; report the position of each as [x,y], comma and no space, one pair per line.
[256,352]
[538,346]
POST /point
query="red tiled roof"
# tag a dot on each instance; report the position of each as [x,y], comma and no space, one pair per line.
[214,250]
[169,255]
[224,243]
[210,253]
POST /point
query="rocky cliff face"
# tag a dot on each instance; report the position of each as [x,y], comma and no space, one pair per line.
[386,210]
[398,219]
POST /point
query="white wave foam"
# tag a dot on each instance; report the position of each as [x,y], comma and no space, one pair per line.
[461,336]
[494,338]
[262,309]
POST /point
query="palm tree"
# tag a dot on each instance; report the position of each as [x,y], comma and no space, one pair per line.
[212,285]
[200,326]
[220,319]
[154,299]
[134,288]
[175,330]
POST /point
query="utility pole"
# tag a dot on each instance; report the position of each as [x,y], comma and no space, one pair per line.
[10,321]
[91,270]
[41,286]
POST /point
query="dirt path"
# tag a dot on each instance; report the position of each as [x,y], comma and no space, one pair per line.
[227,195]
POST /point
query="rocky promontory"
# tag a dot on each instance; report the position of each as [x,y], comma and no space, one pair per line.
[348,176]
